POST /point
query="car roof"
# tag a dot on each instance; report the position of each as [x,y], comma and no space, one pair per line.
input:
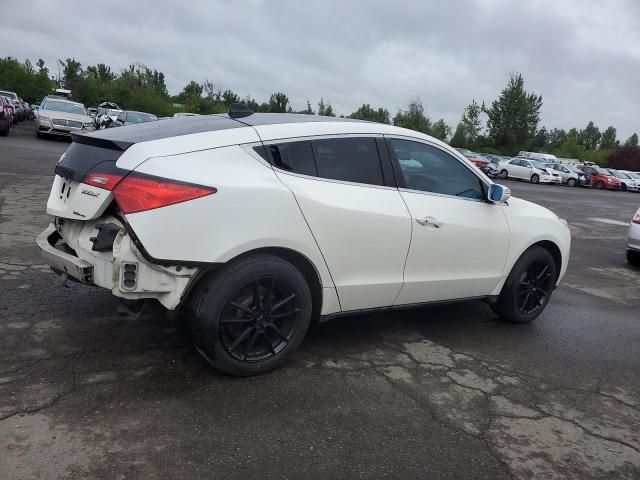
[269,126]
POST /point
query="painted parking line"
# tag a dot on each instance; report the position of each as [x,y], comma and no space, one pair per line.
[608,221]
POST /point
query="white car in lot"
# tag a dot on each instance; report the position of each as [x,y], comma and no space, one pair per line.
[256,225]
[530,170]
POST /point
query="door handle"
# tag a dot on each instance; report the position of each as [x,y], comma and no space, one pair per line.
[428,222]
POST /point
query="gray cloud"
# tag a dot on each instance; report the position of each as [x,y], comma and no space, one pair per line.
[583,57]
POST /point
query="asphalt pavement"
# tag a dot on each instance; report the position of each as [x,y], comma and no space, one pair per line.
[440,393]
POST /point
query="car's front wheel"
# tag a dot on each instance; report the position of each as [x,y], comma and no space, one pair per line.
[503,174]
[535,178]
[600,185]
[251,315]
[528,288]
[572,182]
[633,257]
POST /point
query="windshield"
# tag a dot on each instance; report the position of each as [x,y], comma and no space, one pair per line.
[537,164]
[67,107]
[140,117]
[601,171]
[619,174]
[633,175]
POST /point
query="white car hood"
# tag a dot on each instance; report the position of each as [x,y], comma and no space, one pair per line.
[517,206]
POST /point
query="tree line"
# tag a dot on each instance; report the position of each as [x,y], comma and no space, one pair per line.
[508,124]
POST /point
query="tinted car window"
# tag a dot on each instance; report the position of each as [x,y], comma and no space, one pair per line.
[348,159]
[296,157]
[430,169]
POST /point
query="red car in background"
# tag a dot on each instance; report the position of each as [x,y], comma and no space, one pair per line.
[6,115]
[479,161]
[600,178]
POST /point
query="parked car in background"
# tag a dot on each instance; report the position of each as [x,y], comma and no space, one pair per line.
[627,182]
[185,114]
[541,157]
[633,240]
[104,110]
[92,111]
[162,214]
[18,111]
[61,117]
[8,108]
[530,170]
[6,117]
[476,159]
[633,175]
[570,176]
[600,178]
[130,117]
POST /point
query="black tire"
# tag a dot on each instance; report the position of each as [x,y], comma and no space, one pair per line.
[600,185]
[15,120]
[503,174]
[623,187]
[572,182]
[235,325]
[633,257]
[535,178]
[528,288]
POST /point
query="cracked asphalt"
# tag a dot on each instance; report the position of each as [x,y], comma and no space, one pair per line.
[440,393]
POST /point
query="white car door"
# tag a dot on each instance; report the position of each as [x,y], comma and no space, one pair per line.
[515,169]
[362,227]
[459,242]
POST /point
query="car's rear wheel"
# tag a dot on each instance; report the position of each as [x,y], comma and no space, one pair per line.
[572,182]
[528,288]
[503,174]
[252,315]
[535,178]
[633,257]
[600,185]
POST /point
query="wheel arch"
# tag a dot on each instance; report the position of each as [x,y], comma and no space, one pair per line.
[297,259]
[553,249]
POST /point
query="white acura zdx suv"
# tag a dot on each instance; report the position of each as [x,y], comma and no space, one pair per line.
[256,225]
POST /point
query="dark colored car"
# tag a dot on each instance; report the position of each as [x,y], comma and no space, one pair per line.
[129,117]
[600,178]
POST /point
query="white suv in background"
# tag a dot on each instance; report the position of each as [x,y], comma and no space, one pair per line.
[258,224]
[531,170]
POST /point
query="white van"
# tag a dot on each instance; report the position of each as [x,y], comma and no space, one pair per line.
[542,157]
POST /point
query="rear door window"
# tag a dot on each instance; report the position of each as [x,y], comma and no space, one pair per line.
[348,159]
[295,157]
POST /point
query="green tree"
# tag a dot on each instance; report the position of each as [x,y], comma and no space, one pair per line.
[308,110]
[632,140]
[365,112]
[541,140]
[557,137]
[514,116]
[413,118]
[471,124]
[440,130]
[325,109]
[589,137]
[71,71]
[608,139]
[278,103]
[459,138]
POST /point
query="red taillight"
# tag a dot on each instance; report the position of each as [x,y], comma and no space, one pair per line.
[108,181]
[137,193]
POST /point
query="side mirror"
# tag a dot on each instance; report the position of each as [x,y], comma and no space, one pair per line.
[498,193]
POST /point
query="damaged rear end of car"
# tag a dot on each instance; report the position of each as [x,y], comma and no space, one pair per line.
[89,239]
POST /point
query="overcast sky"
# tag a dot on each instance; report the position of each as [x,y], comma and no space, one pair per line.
[582,56]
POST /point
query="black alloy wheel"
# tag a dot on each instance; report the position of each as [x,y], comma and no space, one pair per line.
[534,286]
[258,320]
[249,316]
[529,286]
[600,185]
[503,174]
